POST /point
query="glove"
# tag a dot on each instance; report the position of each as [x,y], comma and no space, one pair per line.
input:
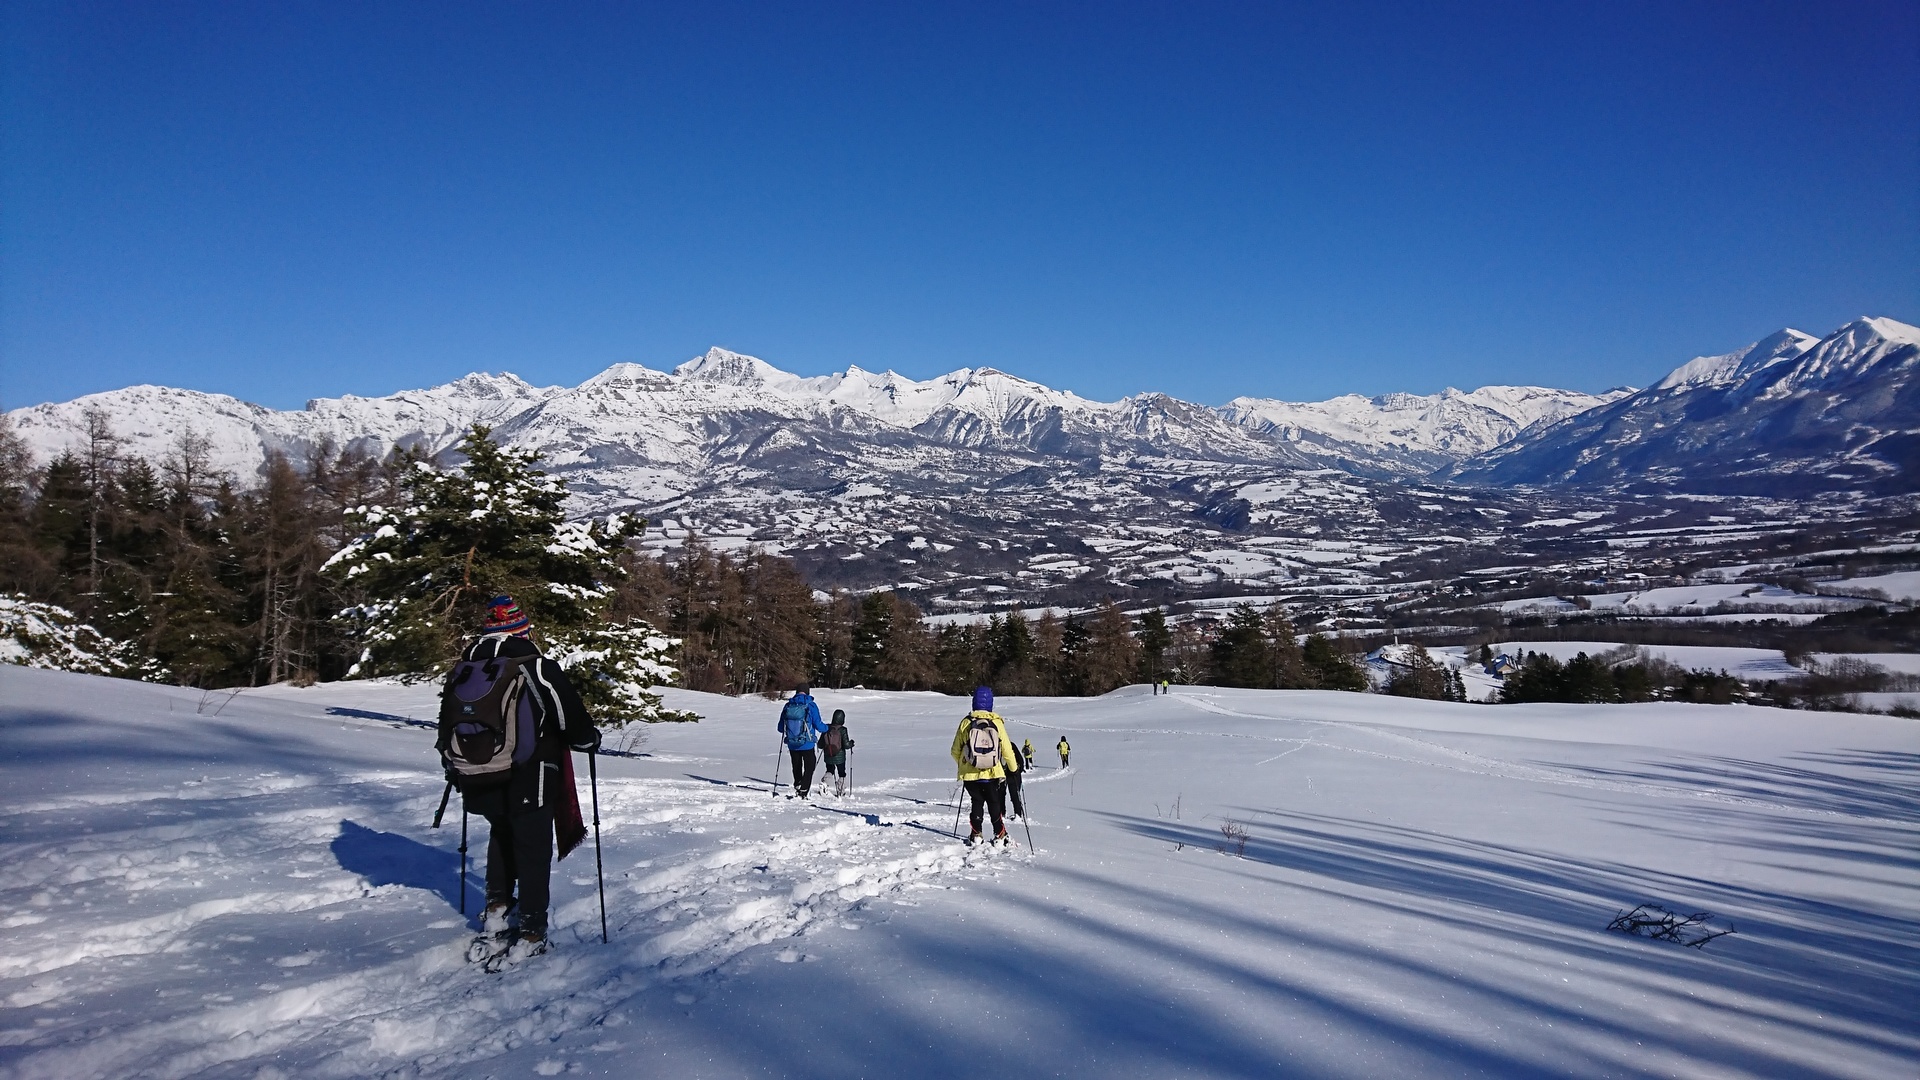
[589,745]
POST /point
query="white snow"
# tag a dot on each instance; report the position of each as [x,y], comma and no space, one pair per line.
[1422,892]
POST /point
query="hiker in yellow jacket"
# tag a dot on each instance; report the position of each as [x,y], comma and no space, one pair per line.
[982,752]
[1065,750]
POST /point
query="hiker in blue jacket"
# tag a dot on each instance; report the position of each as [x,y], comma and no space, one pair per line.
[801,726]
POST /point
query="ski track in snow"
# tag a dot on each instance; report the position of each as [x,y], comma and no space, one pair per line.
[429,1012]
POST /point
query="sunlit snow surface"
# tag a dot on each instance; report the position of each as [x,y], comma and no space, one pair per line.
[1422,893]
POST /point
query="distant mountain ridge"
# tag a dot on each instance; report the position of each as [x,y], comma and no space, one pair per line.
[1819,413]
[1789,414]
[642,434]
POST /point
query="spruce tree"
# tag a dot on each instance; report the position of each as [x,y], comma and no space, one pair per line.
[425,568]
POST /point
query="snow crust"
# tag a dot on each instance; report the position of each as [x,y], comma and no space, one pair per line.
[246,886]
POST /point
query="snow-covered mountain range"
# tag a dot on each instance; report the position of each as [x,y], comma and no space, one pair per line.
[632,433]
[978,488]
[1790,412]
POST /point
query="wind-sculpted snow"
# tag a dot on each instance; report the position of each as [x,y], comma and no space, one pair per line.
[1228,883]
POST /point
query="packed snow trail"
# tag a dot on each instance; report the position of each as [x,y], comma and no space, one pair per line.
[1417,889]
[322,907]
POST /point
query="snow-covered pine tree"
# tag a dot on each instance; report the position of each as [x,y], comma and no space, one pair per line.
[424,569]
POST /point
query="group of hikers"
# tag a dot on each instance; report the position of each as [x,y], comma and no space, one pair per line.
[509,716]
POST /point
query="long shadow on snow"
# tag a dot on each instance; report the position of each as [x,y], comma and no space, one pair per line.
[1122,1009]
[385,858]
[1820,790]
[1792,949]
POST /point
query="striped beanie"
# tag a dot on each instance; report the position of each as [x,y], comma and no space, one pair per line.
[505,617]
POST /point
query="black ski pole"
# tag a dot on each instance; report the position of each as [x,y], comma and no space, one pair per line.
[444,796]
[1026,818]
[599,869]
[956,814]
[463,856]
[776,769]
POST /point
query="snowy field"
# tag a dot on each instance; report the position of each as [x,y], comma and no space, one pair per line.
[1753,665]
[1423,891]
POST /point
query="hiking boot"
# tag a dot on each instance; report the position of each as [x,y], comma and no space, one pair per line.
[974,839]
[1002,838]
[494,919]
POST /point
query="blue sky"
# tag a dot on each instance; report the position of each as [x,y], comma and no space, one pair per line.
[283,201]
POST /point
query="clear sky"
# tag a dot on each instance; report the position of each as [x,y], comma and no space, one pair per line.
[283,200]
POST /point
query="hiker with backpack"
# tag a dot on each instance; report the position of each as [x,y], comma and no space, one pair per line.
[1064,750]
[800,725]
[1026,755]
[984,752]
[833,749]
[508,716]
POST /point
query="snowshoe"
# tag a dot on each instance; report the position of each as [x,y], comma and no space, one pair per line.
[973,840]
[525,946]
[485,947]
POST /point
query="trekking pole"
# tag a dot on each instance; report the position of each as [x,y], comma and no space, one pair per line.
[444,796]
[776,769]
[956,815]
[1026,818]
[463,857]
[599,869]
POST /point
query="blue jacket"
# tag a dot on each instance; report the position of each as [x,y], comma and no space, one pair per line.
[809,735]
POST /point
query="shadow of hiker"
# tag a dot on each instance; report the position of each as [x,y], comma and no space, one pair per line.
[384,858]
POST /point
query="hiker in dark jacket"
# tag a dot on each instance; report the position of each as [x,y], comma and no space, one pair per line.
[521,812]
[1016,773]
[801,726]
[833,750]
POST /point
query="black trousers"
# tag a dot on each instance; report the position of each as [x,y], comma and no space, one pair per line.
[990,795]
[803,763]
[1014,780]
[519,851]
[837,768]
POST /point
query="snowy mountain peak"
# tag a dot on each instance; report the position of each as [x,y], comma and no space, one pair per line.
[720,365]
[1729,368]
[627,375]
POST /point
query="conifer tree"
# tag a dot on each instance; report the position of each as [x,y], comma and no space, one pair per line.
[426,567]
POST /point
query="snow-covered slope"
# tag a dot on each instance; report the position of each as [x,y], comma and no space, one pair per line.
[1228,883]
[1787,414]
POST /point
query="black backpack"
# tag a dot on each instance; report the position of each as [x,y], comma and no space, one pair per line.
[487,709]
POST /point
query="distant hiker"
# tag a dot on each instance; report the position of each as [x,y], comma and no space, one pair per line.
[1166,687]
[1026,756]
[801,726]
[507,717]
[1064,750]
[834,746]
[983,751]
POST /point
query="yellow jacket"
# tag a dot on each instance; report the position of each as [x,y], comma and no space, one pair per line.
[968,772]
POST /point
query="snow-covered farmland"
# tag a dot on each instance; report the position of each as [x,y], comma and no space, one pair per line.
[1753,665]
[198,886]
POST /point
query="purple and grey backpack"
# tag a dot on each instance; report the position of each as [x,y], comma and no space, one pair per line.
[490,713]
